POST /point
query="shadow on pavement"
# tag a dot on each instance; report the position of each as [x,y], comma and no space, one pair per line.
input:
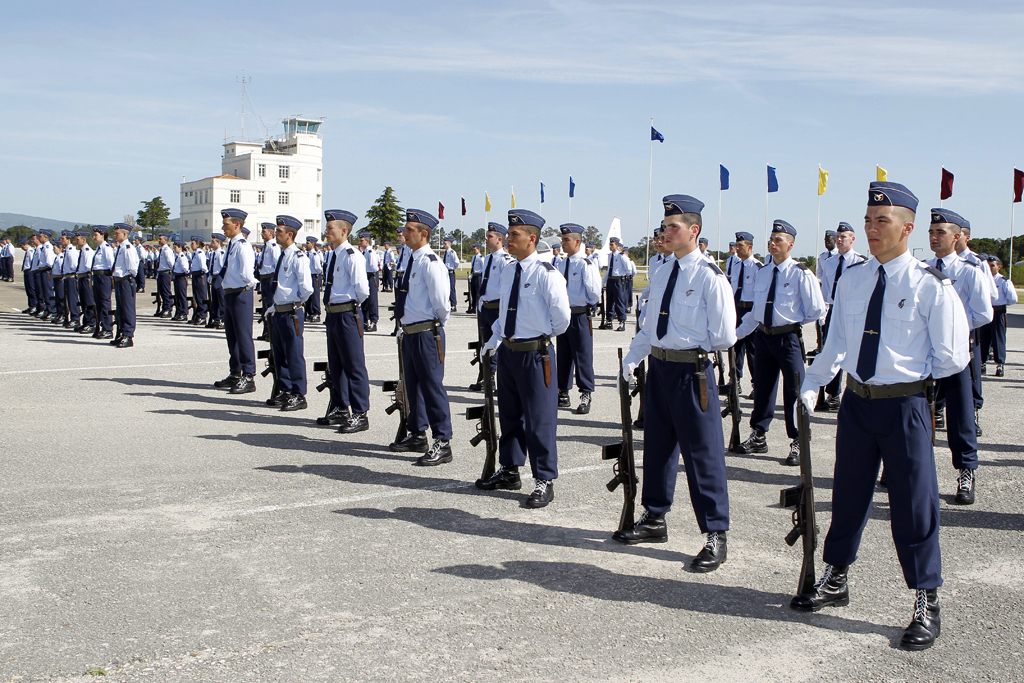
[357,474]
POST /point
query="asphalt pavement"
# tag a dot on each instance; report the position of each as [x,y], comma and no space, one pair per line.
[155,528]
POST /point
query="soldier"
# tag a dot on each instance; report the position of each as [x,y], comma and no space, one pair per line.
[830,250]
[179,271]
[83,279]
[388,269]
[216,282]
[702,244]
[993,335]
[742,279]
[970,285]
[267,265]
[576,344]
[731,261]
[44,277]
[422,307]
[451,262]
[786,297]
[695,317]
[489,300]
[896,322]
[28,255]
[6,259]
[316,271]
[620,269]
[402,259]
[238,278]
[124,272]
[69,269]
[476,274]
[369,306]
[164,265]
[140,276]
[831,271]
[56,273]
[557,258]
[102,285]
[198,268]
[964,252]
[293,285]
[534,309]
[345,289]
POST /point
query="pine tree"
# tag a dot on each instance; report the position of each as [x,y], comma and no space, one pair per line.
[386,217]
[154,215]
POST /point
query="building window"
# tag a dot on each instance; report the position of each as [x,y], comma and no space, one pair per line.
[236,196]
[262,198]
[308,224]
[282,171]
[282,197]
[318,175]
[186,222]
[318,201]
[261,170]
[206,222]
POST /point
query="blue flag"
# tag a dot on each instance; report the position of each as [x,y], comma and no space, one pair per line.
[572,188]
[655,135]
[542,193]
[723,177]
[773,182]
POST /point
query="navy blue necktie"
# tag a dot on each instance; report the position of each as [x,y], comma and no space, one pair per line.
[330,278]
[666,301]
[227,254]
[939,264]
[513,303]
[839,272]
[403,292]
[872,331]
[739,287]
[487,274]
[769,309]
[277,268]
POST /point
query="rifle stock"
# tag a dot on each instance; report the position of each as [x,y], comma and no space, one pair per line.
[732,405]
[487,429]
[801,498]
[268,354]
[397,391]
[327,383]
[622,452]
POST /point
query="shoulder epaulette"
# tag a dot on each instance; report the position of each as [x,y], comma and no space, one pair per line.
[350,251]
[936,272]
[800,265]
[548,265]
[432,257]
[862,258]
[859,263]
[713,267]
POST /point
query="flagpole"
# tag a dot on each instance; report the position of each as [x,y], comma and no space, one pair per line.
[817,229]
[570,210]
[766,194]
[719,258]
[941,169]
[650,191]
[1009,270]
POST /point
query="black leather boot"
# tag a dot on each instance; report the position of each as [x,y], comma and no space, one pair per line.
[926,625]
[831,589]
[650,528]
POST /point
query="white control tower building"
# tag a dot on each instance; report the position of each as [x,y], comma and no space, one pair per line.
[264,178]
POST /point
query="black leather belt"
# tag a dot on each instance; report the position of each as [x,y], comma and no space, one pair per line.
[234,290]
[781,329]
[617,277]
[341,308]
[538,344]
[695,356]
[744,305]
[999,309]
[577,310]
[886,390]
[419,327]
[493,304]
[286,308]
[101,272]
[126,277]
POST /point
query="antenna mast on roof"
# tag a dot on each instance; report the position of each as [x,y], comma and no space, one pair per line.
[243,80]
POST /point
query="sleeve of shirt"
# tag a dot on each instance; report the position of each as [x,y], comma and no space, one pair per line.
[747,325]
[1011,292]
[721,314]
[948,331]
[247,262]
[833,352]
[304,277]
[357,275]
[980,301]
[438,290]
[558,302]
[132,260]
[813,302]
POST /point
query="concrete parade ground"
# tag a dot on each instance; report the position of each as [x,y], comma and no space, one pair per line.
[153,527]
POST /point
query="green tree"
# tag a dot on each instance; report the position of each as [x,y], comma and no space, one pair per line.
[386,217]
[478,236]
[591,234]
[639,252]
[17,232]
[154,215]
[548,231]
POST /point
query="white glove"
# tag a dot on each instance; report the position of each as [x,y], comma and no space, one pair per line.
[490,346]
[627,372]
[400,334]
[808,397]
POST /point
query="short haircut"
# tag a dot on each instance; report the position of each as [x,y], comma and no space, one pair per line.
[906,215]
[289,228]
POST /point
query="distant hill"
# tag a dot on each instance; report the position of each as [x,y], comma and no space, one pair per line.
[8,220]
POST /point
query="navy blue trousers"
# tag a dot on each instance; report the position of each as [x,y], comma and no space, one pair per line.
[953,393]
[424,386]
[289,351]
[216,299]
[485,323]
[30,288]
[389,279]
[993,337]
[44,280]
[313,302]
[576,349]
[451,290]
[125,290]
[163,288]
[347,360]
[616,299]
[775,353]
[527,412]
[979,400]
[237,316]
[101,288]
[199,293]
[58,295]
[369,306]
[140,277]
[744,347]
[675,424]
[71,296]
[180,293]
[86,301]
[897,432]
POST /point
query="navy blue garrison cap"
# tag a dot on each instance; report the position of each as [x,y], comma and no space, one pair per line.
[23,241]
[340,215]
[162,234]
[233,213]
[615,240]
[123,226]
[196,238]
[311,238]
[844,227]
[831,233]
[497,227]
[367,234]
[525,217]
[947,216]
[681,203]
[179,243]
[245,231]
[218,236]
[732,244]
[82,233]
[703,240]
[48,233]
[477,245]
[994,258]
[420,216]
[591,245]
[967,224]
[102,229]
[289,222]
[570,228]
[891,194]
[780,225]
[268,226]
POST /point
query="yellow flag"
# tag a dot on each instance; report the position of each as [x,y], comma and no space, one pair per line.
[487,202]
[822,180]
[880,174]
[513,197]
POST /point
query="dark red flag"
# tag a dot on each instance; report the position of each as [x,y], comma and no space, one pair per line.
[464,206]
[1018,185]
[440,210]
[946,191]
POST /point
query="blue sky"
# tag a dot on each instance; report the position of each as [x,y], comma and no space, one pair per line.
[110,103]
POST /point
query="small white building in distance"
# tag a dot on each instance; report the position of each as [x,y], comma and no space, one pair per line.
[264,178]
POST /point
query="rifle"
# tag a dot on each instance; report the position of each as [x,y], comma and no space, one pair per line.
[397,391]
[268,354]
[322,366]
[622,453]
[801,497]
[606,323]
[732,403]
[486,429]
[723,388]
[641,382]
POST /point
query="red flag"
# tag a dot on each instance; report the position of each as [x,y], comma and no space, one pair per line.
[440,210]
[946,191]
[464,206]
[1018,185]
